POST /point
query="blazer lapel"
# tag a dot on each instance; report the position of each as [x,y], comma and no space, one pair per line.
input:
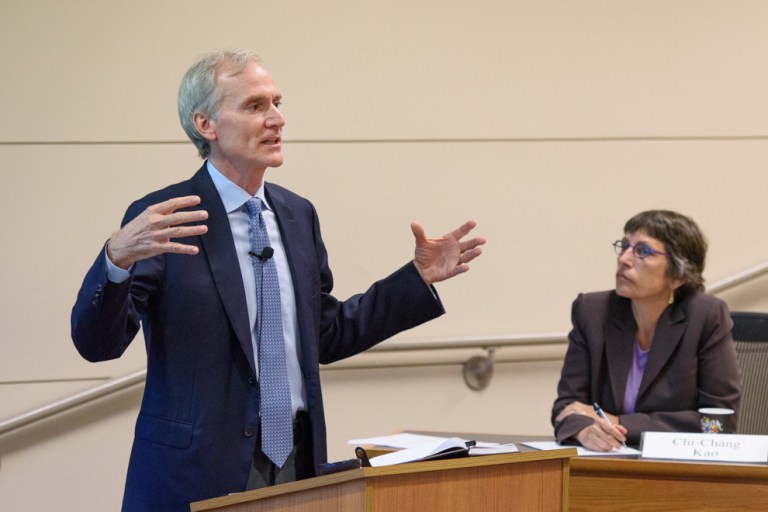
[219,247]
[283,213]
[294,239]
[620,334]
[669,332]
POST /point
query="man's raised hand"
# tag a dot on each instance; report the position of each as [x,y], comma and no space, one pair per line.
[153,231]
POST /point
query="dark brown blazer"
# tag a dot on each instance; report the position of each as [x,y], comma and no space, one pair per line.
[692,364]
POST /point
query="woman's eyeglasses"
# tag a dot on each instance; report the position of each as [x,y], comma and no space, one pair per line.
[640,250]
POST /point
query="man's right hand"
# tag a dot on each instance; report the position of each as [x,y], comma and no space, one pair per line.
[151,232]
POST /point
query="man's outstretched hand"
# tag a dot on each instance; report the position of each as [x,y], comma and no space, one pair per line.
[438,259]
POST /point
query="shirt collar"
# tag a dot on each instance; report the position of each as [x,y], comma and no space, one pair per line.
[231,194]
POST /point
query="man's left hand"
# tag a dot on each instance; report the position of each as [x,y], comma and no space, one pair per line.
[438,259]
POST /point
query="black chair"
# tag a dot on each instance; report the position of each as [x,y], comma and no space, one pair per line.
[750,332]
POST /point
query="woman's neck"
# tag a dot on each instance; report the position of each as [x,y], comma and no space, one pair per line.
[647,315]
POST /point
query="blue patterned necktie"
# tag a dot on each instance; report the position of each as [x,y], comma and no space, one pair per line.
[275,402]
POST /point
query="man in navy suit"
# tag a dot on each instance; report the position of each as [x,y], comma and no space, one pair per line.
[181,267]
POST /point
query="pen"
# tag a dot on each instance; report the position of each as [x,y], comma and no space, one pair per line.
[599,412]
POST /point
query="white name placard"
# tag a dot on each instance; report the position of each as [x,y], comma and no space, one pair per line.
[704,447]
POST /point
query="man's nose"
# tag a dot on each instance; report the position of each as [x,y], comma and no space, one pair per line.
[275,117]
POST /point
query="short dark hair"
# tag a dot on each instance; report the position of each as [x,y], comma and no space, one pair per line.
[682,239]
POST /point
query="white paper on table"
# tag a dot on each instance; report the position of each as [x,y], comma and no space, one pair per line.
[406,440]
[580,450]
[492,450]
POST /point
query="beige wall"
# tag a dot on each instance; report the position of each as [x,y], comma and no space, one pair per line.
[549,122]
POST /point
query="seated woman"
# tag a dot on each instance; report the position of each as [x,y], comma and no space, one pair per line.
[653,351]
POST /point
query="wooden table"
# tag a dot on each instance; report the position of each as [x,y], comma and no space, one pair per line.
[629,485]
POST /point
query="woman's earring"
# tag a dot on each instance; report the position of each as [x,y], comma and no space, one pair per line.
[672,297]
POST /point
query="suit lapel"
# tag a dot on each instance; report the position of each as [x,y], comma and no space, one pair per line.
[294,239]
[283,212]
[669,332]
[620,335]
[287,225]
[219,247]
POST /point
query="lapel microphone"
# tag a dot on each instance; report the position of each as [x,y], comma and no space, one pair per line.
[266,253]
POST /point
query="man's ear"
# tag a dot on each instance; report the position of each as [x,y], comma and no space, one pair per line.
[204,125]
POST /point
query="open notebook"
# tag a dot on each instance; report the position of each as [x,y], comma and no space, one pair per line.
[415,447]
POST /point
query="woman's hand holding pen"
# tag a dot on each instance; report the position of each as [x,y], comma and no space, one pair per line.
[602,435]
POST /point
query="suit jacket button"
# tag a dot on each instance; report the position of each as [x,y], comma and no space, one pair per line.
[248,432]
[252,380]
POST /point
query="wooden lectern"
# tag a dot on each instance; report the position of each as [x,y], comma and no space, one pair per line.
[529,481]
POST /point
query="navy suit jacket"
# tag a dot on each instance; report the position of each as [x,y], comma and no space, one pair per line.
[692,364]
[195,434]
